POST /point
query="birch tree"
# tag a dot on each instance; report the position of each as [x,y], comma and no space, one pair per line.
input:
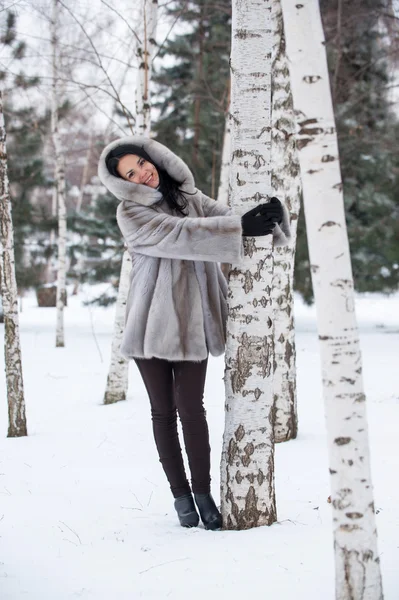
[357,565]
[286,186]
[59,183]
[117,381]
[247,468]
[145,53]
[12,348]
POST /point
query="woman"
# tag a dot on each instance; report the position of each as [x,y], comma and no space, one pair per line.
[176,307]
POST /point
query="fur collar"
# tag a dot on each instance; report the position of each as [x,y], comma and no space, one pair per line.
[162,157]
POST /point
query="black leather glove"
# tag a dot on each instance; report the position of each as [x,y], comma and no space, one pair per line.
[262,219]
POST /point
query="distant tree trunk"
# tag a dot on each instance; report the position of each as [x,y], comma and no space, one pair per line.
[145,54]
[286,186]
[12,348]
[357,565]
[117,382]
[60,183]
[247,468]
[86,170]
[199,84]
[224,182]
[116,388]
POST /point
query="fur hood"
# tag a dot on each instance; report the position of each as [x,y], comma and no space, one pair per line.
[162,157]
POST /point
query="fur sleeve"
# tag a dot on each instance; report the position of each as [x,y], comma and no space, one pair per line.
[281,233]
[214,239]
[213,208]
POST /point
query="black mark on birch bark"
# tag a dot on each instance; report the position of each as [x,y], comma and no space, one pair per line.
[310,131]
[244,34]
[342,283]
[329,224]
[259,162]
[232,451]
[311,78]
[239,477]
[248,451]
[348,380]
[302,143]
[307,122]
[260,477]
[327,158]
[288,353]
[264,130]
[341,441]
[239,433]
[349,527]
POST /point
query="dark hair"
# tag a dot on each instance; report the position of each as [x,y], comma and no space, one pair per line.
[168,186]
[171,192]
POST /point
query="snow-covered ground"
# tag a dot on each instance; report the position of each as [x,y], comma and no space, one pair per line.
[85,510]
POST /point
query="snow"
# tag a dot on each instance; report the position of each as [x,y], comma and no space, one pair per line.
[85,510]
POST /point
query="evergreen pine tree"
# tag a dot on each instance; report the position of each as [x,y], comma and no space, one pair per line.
[194,91]
[97,257]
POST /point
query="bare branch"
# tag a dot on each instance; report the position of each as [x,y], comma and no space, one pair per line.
[169,32]
[100,64]
[111,120]
[123,19]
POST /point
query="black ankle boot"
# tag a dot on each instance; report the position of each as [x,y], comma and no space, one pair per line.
[210,516]
[186,511]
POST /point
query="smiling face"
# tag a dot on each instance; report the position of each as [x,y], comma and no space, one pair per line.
[138,170]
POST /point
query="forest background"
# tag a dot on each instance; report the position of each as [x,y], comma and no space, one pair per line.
[190,91]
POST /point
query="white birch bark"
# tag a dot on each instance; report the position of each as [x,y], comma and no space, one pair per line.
[145,53]
[117,381]
[224,183]
[12,348]
[247,468]
[357,566]
[286,185]
[60,183]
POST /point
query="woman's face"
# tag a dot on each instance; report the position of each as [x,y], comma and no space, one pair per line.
[138,170]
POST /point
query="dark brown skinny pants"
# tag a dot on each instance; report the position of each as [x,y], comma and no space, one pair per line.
[179,387]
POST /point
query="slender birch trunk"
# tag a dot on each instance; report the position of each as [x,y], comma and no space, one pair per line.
[357,565]
[286,186]
[247,468]
[12,348]
[117,381]
[145,53]
[224,183]
[116,388]
[60,183]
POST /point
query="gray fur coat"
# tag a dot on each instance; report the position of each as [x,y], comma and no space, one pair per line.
[176,307]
